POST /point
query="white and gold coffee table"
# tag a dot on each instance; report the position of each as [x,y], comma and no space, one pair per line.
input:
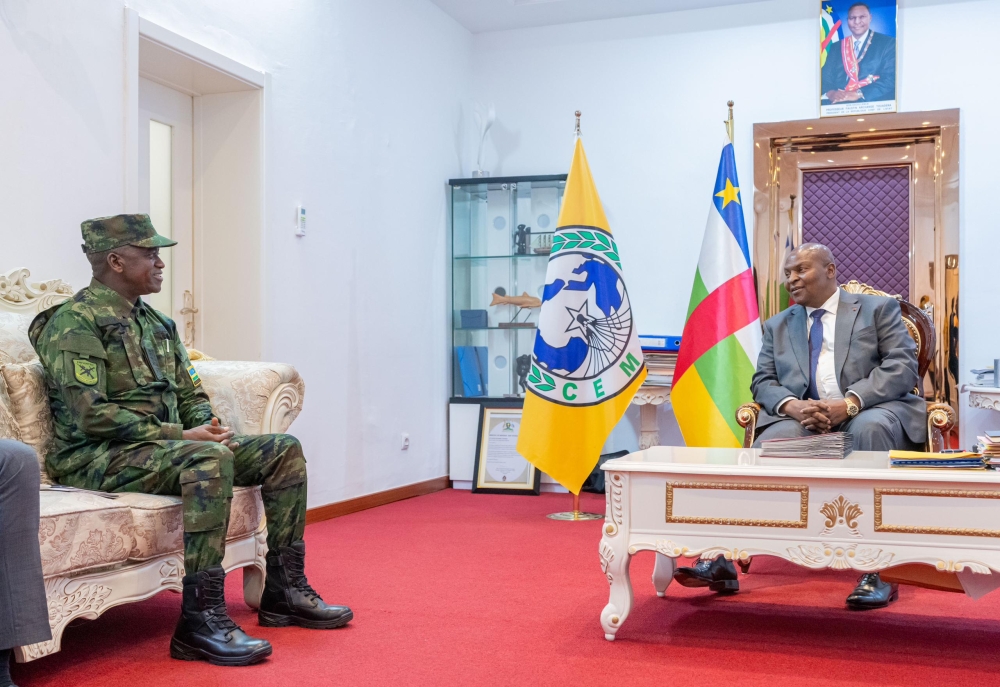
[855,513]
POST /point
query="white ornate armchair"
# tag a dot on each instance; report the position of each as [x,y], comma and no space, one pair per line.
[99,551]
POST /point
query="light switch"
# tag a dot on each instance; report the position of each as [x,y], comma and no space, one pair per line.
[300,221]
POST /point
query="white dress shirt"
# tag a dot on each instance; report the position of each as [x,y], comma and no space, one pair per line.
[826,374]
[827,385]
[859,42]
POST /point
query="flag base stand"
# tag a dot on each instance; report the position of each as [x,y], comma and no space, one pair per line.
[576,513]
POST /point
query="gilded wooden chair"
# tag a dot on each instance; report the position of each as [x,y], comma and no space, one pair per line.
[941,417]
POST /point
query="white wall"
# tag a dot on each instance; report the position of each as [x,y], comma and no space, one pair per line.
[61,150]
[653,92]
[364,122]
[362,125]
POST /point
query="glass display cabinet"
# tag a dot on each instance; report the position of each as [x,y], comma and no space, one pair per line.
[501,238]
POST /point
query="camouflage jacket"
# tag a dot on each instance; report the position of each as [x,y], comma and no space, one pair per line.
[116,373]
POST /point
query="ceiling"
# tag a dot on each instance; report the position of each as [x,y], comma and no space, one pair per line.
[479,16]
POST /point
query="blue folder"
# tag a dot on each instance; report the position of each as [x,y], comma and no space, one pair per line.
[471,364]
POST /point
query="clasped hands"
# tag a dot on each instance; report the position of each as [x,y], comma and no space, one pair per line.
[217,433]
[841,96]
[816,416]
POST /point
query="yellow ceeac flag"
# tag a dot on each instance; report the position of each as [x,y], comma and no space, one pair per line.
[587,363]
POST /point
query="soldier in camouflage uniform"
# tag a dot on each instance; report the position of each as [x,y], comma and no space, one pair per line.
[130,414]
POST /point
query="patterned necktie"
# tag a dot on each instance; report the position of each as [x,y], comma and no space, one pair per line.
[815,346]
[857,46]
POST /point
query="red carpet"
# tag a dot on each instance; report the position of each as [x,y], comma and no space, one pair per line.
[462,589]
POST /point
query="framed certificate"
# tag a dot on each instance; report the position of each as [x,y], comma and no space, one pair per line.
[500,469]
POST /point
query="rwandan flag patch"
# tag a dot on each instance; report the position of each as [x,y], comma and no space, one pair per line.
[195,379]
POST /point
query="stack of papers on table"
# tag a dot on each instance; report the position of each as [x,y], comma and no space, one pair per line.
[829,445]
[966,460]
[660,365]
[990,447]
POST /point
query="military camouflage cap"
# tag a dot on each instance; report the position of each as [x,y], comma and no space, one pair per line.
[105,233]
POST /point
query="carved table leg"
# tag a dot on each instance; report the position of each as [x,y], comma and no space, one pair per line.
[663,573]
[614,563]
[649,430]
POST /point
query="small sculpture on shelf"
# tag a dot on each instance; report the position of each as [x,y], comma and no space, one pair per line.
[544,246]
[523,367]
[522,240]
[522,302]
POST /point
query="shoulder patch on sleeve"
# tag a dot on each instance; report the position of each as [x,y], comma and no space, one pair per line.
[85,372]
[195,379]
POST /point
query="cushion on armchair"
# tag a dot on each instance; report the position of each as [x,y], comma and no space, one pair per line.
[81,531]
[29,405]
[15,346]
[8,425]
[158,521]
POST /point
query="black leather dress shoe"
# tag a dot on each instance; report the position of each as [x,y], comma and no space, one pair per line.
[718,575]
[872,592]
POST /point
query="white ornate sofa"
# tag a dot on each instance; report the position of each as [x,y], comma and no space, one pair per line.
[99,551]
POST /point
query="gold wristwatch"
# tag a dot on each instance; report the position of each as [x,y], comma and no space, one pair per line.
[852,407]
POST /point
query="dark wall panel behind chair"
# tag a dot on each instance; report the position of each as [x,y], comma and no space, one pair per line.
[863,215]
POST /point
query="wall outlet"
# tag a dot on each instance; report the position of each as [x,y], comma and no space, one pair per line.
[405,443]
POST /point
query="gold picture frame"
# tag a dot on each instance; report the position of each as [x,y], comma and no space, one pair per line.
[499,469]
[867,77]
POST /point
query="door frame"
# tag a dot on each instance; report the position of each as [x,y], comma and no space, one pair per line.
[228,136]
[857,142]
[175,110]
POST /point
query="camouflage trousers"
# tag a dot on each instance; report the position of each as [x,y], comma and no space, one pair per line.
[203,474]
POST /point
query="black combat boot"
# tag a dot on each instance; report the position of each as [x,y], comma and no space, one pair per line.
[206,632]
[289,600]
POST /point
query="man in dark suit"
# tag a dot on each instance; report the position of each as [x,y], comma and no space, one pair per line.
[862,66]
[835,361]
[24,615]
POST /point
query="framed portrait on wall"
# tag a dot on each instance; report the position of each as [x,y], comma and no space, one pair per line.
[857,57]
[500,469]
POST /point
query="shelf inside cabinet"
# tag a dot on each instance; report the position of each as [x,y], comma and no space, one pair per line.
[502,257]
[503,329]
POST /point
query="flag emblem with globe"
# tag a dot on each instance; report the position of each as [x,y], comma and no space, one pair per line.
[583,334]
[587,362]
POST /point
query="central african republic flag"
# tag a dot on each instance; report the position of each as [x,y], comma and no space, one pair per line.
[829,32]
[721,337]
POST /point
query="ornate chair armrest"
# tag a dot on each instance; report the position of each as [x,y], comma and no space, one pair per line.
[941,420]
[746,417]
[252,397]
